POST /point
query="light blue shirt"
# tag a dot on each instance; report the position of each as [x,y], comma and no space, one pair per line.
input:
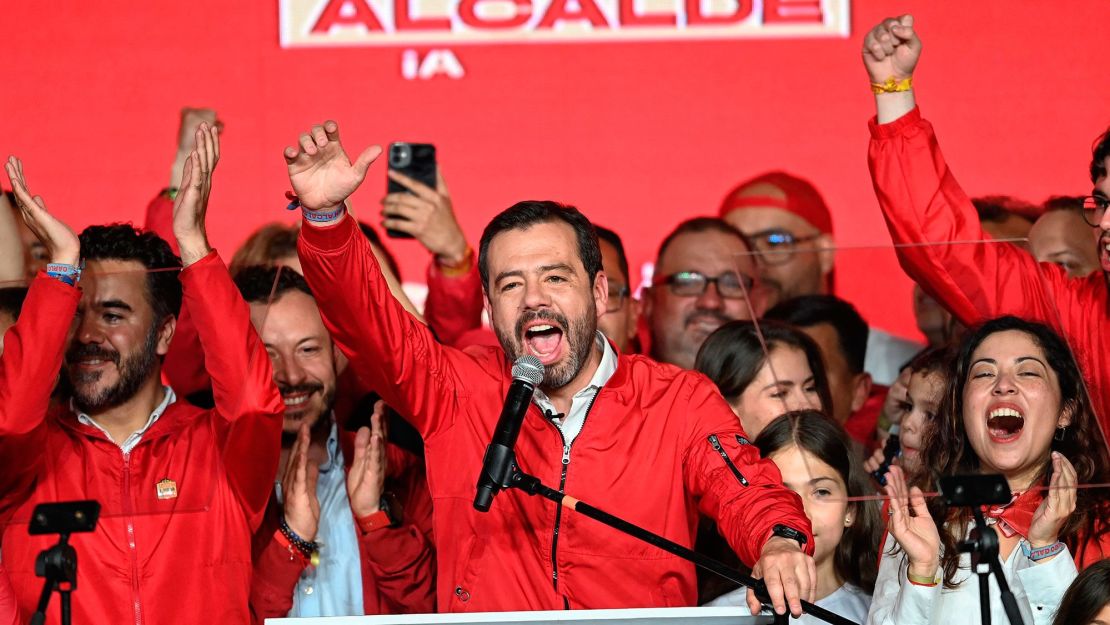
[335,587]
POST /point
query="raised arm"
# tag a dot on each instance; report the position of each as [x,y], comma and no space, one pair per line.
[925,208]
[249,408]
[389,349]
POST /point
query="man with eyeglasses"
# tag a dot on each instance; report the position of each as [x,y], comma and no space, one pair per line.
[704,278]
[1063,237]
[923,203]
[619,323]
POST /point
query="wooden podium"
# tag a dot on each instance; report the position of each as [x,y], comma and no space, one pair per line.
[648,616]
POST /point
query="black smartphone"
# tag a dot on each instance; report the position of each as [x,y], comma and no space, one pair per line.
[415,160]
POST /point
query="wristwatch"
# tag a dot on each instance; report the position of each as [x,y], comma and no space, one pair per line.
[785,531]
[388,515]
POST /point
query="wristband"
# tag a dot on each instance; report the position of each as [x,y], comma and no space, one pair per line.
[461,268]
[307,548]
[919,580]
[1041,553]
[63,272]
[325,216]
[892,86]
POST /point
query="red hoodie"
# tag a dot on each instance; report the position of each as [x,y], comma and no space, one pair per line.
[922,203]
[659,444]
[184,557]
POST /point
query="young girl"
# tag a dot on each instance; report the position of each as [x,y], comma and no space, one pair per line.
[814,455]
[761,383]
[1015,406]
[918,408]
[1087,602]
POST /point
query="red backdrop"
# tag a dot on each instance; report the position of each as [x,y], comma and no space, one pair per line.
[638,134]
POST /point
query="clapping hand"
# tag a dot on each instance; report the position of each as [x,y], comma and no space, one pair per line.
[191,205]
[61,242]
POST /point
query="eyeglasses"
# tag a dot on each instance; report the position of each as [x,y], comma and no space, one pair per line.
[730,284]
[776,246]
[1094,209]
[617,294]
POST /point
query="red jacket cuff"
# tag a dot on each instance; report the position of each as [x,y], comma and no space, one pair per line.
[210,259]
[332,237]
[894,128]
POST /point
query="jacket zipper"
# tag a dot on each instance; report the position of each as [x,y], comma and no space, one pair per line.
[713,440]
[129,512]
[562,485]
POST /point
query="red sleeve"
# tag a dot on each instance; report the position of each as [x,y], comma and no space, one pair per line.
[274,580]
[391,351]
[29,367]
[923,203]
[401,560]
[741,492]
[249,409]
[454,304]
[184,364]
[9,611]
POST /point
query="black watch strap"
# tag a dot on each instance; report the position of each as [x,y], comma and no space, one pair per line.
[785,531]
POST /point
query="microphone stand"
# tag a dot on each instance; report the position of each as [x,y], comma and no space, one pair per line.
[533,486]
[983,547]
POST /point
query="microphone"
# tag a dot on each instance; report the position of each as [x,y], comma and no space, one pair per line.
[498,464]
[891,450]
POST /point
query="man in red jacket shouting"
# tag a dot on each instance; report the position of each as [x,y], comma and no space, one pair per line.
[923,203]
[181,488]
[647,441]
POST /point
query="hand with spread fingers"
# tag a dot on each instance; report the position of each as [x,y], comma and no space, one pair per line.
[322,175]
[191,204]
[298,489]
[912,526]
[366,479]
[790,576]
[428,215]
[1057,506]
[61,242]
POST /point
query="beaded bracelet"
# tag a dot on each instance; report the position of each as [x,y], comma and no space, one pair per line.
[892,85]
[306,547]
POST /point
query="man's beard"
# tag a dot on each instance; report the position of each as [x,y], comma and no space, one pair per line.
[317,422]
[133,371]
[579,336]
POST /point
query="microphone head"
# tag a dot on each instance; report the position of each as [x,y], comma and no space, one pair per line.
[529,369]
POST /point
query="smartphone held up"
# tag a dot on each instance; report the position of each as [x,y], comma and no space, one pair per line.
[415,160]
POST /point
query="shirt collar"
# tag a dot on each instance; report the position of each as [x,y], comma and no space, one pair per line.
[132,440]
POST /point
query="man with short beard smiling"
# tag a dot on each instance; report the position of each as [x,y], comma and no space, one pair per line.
[181,488]
[650,442]
[922,203]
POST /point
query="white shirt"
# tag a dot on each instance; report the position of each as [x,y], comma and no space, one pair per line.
[1037,589]
[848,601]
[571,425]
[136,436]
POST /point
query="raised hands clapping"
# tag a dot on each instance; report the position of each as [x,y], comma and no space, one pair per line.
[191,204]
[61,242]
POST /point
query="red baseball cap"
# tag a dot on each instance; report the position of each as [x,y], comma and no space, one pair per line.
[802,199]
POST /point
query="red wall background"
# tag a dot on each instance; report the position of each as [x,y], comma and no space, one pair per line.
[639,135]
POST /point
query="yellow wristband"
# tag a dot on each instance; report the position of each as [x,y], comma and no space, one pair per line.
[460,268]
[892,86]
[919,580]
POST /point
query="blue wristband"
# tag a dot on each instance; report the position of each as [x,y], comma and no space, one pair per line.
[63,272]
[1041,553]
[323,217]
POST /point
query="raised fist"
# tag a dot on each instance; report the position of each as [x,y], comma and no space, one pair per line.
[891,49]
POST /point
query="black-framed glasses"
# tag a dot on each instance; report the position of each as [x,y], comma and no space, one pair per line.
[777,246]
[730,284]
[1094,209]
[618,293]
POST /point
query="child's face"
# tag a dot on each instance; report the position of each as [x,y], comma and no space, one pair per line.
[824,495]
[922,399]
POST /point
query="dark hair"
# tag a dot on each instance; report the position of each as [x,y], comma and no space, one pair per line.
[1086,597]
[809,310]
[697,225]
[1064,203]
[856,559]
[11,300]
[370,233]
[125,242]
[932,360]
[265,246]
[524,215]
[947,450]
[612,238]
[996,208]
[734,353]
[1100,150]
[268,283]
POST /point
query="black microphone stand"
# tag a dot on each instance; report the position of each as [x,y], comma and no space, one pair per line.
[533,486]
[58,564]
[982,544]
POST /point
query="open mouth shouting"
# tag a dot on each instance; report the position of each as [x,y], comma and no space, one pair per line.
[1004,423]
[543,335]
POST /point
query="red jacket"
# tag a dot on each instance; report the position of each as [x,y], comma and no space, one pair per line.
[181,559]
[454,303]
[398,575]
[922,203]
[9,612]
[646,453]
